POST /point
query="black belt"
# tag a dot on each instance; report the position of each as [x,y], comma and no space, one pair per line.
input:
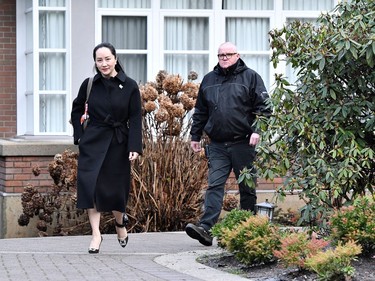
[233,141]
[120,128]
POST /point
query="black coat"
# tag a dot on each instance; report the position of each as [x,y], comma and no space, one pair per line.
[228,103]
[114,130]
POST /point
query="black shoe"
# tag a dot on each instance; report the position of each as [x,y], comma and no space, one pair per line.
[123,241]
[95,250]
[199,233]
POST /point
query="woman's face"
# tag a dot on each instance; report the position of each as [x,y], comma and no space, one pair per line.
[105,61]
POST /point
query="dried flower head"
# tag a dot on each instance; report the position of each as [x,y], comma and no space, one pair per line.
[148,92]
[230,202]
[26,196]
[149,106]
[38,200]
[191,89]
[36,171]
[192,75]
[177,110]
[161,115]
[172,84]
[30,189]
[23,220]
[160,78]
[187,102]
[165,102]
[41,225]
[28,208]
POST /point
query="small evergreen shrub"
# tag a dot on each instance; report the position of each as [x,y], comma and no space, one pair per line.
[334,264]
[356,222]
[252,241]
[232,219]
[296,247]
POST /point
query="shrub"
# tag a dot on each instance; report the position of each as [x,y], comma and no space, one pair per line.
[288,217]
[252,241]
[334,264]
[230,221]
[356,222]
[321,135]
[296,247]
[169,178]
[56,207]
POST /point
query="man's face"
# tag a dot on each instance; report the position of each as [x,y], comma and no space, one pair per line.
[227,56]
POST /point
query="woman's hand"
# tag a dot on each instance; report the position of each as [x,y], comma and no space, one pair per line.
[133,156]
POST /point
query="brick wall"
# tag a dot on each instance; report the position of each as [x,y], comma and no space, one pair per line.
[8,93]
[16,172]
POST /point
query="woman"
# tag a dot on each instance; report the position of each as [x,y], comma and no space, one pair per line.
[111,140]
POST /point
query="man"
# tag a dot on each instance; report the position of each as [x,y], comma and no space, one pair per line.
[228,101]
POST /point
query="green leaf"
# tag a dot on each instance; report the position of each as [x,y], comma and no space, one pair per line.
[332,94]
[337,110]
[322,145]
[370,57]
[353,50]
[322,63]
[287,163]
[347,44]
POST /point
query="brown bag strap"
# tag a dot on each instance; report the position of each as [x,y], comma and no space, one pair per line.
[89,86]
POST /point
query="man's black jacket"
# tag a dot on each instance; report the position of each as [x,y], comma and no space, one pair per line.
[228,102]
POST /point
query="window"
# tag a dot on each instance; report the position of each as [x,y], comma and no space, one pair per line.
[248,4]
[129,36]
[184,4]
[251,37]
[186,45]
[308,5]
[46,54]
[130,4]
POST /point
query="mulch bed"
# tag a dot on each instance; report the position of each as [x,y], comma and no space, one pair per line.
[364,269]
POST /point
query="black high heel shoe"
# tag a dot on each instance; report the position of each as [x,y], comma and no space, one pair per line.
[123,241]
[96,250]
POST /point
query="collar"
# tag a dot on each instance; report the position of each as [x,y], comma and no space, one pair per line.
[120,76]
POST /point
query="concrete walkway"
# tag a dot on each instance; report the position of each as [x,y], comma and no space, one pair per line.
[148,256]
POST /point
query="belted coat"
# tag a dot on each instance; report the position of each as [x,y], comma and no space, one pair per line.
[114,130]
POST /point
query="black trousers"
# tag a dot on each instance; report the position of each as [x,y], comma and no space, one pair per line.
[223,157]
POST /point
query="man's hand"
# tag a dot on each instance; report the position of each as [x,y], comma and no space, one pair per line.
[254,139]
[196,146]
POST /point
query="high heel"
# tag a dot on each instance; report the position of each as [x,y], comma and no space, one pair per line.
[123,241]
[96,250]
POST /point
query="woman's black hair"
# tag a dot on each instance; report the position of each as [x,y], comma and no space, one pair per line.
[118,66]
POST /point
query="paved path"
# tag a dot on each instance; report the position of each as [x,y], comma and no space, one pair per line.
[148,256]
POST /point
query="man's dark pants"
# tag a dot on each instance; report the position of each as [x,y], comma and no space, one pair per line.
[223,157]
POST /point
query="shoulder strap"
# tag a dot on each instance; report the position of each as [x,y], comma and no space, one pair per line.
[89,86]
